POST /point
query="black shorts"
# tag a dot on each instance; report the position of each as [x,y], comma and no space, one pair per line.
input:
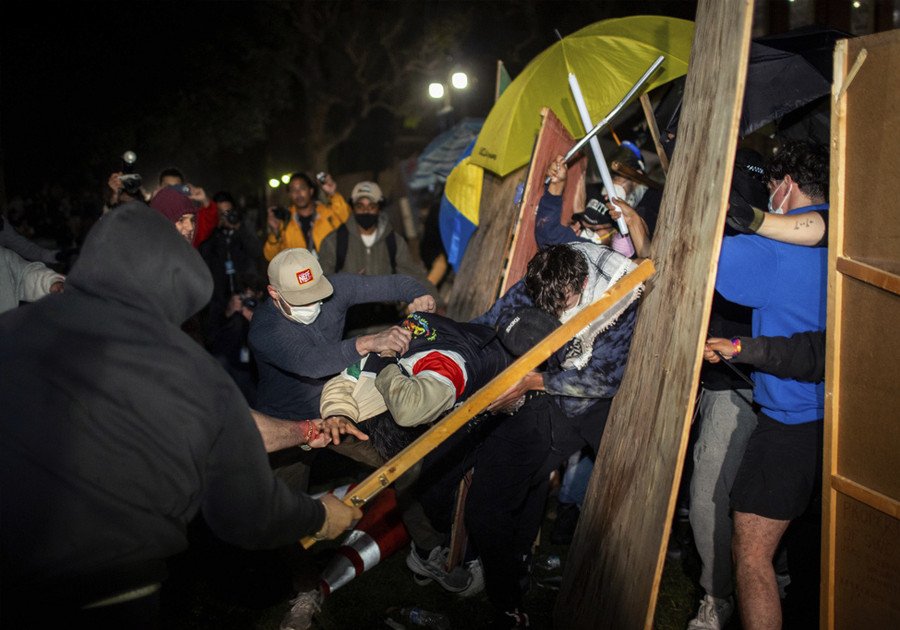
[781,469]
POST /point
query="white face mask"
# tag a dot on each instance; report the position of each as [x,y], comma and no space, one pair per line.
[591,236]
[780,208]
[303,314]
[619,192]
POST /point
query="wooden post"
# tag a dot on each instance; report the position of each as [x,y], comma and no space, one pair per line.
[615,563]
[654,132]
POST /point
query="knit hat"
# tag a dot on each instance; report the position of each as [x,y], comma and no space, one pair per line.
[297,276]
[367,190]
[522,329]
[172,204]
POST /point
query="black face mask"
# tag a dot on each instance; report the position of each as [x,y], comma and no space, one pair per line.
[366,221]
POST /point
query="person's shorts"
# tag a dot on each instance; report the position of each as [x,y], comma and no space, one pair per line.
[781,469]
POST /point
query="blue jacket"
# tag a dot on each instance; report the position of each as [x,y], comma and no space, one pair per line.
[785,285]
[296,359]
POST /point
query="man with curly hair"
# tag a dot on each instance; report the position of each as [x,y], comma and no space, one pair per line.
[780,475]
[554,413]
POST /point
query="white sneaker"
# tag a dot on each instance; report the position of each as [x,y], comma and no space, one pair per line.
[714,613]
[303,607]
[433,568]
[473,567]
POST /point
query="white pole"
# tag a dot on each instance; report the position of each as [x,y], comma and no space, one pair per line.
[595,147]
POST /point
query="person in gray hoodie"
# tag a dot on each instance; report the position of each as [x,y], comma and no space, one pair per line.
[117,430]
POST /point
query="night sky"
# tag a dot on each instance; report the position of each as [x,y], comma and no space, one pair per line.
[207,86]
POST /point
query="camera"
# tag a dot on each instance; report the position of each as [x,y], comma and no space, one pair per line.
[281,213]
[321,177]
[184,189]
[249,302]
[131,181]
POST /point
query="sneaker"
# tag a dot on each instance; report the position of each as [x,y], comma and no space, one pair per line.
[433,568]
[511,619]
[714,614]
[476,585]
[303,607]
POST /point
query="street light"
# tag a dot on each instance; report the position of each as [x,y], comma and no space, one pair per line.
[459,80]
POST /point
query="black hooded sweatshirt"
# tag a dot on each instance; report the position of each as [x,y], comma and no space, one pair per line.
[116,428]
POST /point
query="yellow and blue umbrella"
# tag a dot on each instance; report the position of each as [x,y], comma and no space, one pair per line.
[607,57]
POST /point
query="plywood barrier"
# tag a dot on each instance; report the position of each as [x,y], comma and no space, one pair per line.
[615,562]
[477,282]
[861,493]
[553,140]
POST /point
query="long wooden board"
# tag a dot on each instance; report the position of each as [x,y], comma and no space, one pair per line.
[614,565]
[478,402]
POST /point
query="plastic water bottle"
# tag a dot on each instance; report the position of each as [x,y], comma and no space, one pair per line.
[425,618]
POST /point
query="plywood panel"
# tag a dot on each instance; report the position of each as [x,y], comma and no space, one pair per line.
[873,129]
[613,569]
[867,570]
[861,497]
[553,140]
[869,432]
[477,283]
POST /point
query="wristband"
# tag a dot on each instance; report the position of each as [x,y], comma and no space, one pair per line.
[309,434]
[736,344]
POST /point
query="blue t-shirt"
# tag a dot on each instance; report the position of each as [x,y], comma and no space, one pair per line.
[785,285]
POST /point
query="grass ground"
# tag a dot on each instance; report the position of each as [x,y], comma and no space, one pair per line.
[217,587]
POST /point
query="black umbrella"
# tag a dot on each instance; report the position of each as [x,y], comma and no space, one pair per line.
[778,82]
[786,73]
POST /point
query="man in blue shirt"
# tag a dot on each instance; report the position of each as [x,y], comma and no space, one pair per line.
[785,285]
[296,336]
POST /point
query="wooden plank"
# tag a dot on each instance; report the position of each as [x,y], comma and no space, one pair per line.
[478,402]
[615,562]
[875,500]
[869,274]
[553,140]
[867,569]
[833,339]
[654,132]
[476,284]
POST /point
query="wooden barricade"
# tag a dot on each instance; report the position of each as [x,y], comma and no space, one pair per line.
[615,563]
[477,282]
[861,493]
[553,140]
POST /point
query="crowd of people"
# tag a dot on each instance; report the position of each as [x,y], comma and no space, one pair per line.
[149,385]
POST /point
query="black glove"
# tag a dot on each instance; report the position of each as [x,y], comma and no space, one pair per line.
[742,216]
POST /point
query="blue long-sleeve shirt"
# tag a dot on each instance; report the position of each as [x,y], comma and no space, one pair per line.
[785,285]
[296,359]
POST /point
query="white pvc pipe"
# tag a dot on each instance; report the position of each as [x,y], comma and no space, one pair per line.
[595,147]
